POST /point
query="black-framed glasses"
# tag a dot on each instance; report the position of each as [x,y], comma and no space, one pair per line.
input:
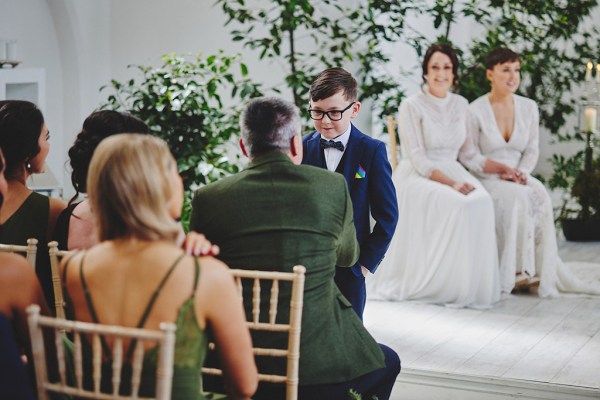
[333,115]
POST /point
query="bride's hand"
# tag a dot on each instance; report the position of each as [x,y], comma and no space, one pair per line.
[463,187]
[521,177]
[514,175]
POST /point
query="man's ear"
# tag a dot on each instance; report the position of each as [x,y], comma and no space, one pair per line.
[294,146]
[296,149]
[243,148]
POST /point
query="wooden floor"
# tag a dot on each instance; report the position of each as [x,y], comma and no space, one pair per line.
[525,347]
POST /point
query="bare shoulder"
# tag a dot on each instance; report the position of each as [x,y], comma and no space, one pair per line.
[15,268]
[71,259]
[18,284]
[57,205]
[213,267]
[214,273]
[100,251]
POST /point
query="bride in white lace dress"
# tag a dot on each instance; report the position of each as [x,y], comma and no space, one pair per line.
[504,129]
[444,247]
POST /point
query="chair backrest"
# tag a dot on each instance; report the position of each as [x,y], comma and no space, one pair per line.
[55,256]
[293,327]
[164,338]
[30,250]
[391,128]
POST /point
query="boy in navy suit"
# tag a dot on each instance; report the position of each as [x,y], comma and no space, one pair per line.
[339,146]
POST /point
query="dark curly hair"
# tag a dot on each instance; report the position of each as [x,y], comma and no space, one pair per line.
[21,125]
[96,127]
[450,52]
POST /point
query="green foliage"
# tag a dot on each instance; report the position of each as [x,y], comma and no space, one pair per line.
[186,211]
[194,105]
[309,36]
[354,395]
[548,34]
[565,170]
[579,175]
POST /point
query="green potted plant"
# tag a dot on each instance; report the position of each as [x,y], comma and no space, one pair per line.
[182,101]
[579,177]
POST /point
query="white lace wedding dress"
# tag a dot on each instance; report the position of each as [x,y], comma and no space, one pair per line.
[524,216]
[444,247]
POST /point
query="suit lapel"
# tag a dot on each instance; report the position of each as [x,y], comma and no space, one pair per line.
[314,154]
[352,156]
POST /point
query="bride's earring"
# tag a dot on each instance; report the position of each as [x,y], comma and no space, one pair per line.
[28,167]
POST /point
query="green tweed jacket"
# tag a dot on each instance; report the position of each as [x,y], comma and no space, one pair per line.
[274,215]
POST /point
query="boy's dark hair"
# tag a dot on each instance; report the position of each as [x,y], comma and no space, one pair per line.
[331,81]
[447,50]
[500,55]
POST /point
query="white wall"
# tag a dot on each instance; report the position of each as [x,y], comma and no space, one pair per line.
[82,44]
[29,22]
[69,39]
[141,31]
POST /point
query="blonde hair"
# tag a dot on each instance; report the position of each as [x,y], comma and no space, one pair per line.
[129,186]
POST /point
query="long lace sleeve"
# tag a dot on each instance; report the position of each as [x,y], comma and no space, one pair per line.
[531,153]
[410,130]
[470,154]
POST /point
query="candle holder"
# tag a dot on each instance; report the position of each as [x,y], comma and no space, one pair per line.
[589,127]
[589,117]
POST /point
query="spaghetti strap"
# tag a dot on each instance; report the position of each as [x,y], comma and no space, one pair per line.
[196,276]
[157,292]
[90,304]
[67,261]
[151,303]
[63,284]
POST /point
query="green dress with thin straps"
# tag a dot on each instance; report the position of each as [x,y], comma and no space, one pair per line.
[191,345]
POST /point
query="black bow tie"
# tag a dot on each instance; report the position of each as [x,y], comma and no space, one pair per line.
[325,144]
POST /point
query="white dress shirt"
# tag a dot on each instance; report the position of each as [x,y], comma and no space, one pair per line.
[333,156]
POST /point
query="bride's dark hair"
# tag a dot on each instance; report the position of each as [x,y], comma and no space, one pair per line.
[450,52]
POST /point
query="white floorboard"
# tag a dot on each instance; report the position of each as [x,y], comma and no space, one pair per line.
[523,348]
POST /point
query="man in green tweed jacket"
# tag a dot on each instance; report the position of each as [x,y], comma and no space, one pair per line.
[276,214]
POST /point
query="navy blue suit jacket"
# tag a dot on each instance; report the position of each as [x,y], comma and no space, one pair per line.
[374,195]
